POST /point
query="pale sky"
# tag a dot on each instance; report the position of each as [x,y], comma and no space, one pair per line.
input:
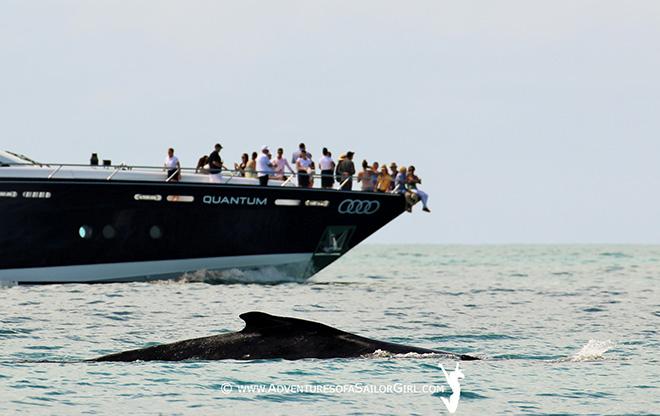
[528,121]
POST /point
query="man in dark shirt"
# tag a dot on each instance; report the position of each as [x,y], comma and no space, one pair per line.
[345,170]
[296,154]
[215,162]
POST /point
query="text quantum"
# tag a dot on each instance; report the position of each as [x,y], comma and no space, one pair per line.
[234,200]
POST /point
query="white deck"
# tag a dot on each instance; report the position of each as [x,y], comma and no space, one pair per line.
[19,168]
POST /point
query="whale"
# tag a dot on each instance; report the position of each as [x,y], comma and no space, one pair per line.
[267,337]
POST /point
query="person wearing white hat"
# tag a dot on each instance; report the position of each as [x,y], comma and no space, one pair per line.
[264,166]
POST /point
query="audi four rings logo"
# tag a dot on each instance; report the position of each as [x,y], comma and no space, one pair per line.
[355,206]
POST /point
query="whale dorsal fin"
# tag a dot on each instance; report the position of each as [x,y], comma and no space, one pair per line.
[261,322]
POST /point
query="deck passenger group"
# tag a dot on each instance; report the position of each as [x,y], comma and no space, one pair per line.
[264,167]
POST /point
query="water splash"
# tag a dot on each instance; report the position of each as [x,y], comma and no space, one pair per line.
[592,350]
[7,284]
[264,275]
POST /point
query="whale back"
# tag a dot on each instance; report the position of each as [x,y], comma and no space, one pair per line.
[266,324]
[268,336]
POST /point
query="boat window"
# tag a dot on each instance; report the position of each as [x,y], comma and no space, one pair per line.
[180,198]
[143,197]
[288,202]
[36,194]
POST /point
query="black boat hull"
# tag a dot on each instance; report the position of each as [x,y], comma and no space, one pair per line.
[56,231]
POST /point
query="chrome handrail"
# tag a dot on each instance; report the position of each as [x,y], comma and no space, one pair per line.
[229,173]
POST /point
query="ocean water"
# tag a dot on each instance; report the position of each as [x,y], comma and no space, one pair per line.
[561,330]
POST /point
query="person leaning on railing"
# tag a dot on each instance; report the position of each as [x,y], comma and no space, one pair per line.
[201,165]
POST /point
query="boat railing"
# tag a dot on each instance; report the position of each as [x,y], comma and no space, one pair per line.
[224,176]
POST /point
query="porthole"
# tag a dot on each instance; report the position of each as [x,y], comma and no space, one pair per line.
[85,231]
[155,232]
[109,232]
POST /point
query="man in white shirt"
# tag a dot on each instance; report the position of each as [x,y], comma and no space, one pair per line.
[327,166]
[280,163]
[264,166]
[172,166]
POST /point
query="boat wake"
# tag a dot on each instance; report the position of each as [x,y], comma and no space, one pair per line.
[261,275]
[7,284]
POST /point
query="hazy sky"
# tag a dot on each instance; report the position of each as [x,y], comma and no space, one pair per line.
[529,121]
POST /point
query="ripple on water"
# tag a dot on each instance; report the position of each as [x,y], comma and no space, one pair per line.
[15,332]
[500,301]
[615,254]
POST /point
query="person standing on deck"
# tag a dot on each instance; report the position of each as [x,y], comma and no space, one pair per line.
[384,180]
[172,166]
[345,171]
[303,165]
[296,155]
[394,169]
[327,166]
[364,177]
[280,162]
[400,181]
[264,166]
[215,162]
[251,166]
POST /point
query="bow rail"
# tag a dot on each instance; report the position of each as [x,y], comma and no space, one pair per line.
[124,171]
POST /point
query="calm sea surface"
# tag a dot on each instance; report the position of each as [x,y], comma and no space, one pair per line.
[561,329]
